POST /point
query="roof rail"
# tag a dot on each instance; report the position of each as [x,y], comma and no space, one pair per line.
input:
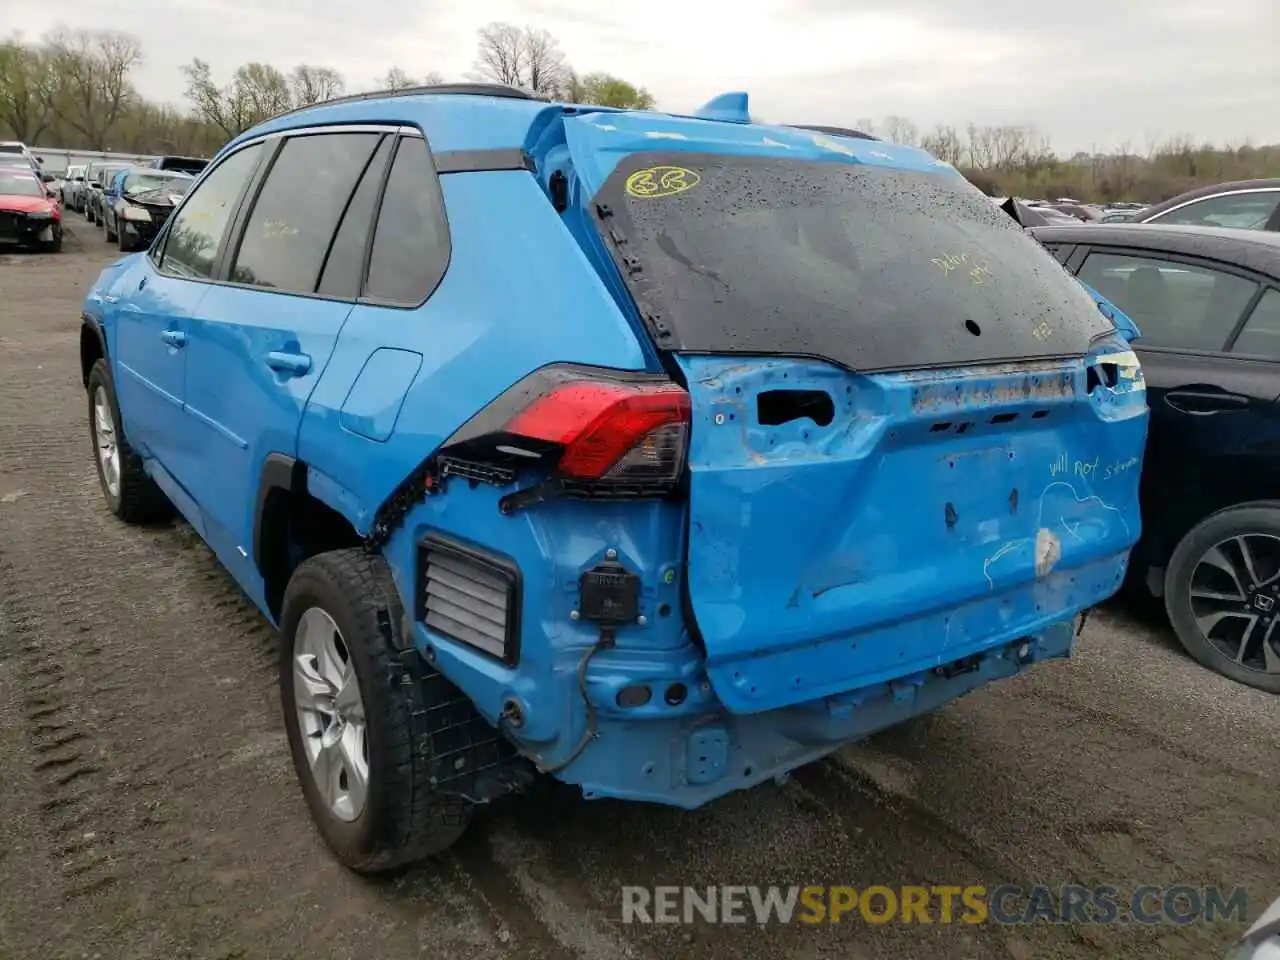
[832,131]
[500,90]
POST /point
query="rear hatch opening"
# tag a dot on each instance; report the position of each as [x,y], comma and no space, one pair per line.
[973,481]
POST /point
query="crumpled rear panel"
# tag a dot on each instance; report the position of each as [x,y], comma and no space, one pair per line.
[933,515]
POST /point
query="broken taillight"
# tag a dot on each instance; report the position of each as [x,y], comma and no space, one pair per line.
[578,431]
[611,431]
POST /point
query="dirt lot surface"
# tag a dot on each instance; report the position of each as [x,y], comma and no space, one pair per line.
[149,809]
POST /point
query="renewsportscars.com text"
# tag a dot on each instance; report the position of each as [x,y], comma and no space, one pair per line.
[933,904]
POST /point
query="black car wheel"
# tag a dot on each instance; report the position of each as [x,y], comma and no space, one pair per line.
[130,493]
[109,234]
[356,694]
[1222,592]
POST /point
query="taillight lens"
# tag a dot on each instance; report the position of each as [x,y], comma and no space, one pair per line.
[586,431]
[626,433]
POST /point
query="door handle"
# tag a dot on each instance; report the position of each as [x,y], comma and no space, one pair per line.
[1202,403]
[174,338]
[292,363]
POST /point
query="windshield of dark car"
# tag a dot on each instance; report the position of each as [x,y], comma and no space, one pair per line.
[873,267]
[15,184]
[146,182]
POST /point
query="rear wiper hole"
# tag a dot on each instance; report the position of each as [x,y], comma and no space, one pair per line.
[776,407]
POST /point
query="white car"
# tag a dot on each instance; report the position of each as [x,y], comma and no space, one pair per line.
[73,186]
[17,146]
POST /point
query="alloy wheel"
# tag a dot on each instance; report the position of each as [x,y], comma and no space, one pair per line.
[331,715]
[1235,599]
[104,435]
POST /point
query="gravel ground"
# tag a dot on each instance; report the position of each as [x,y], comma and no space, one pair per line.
[149,809]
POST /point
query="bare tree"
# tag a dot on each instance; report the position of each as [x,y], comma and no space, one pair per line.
[315,84]
[500,56]
[523,57]
[547,71]
[92,69]
[945,144]
[256,92]
[901,130]
[397,79]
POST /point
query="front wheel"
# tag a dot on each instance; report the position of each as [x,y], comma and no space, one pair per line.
[1222,593]
[354,693]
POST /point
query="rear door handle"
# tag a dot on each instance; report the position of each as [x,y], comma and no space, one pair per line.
[174,338]
[1202,403]
[292,363]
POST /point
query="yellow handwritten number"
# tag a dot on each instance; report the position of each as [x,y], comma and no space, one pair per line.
[661,182]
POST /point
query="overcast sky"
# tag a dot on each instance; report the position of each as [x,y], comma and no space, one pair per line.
[1086,72]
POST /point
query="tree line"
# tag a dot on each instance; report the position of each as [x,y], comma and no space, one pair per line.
[73,89]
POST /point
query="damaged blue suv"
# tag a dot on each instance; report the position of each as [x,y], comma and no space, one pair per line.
[663,454]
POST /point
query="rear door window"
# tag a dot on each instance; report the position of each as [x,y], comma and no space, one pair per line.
[296,214]
[1175,304]
[870,267]
[344,266]
[1261,334]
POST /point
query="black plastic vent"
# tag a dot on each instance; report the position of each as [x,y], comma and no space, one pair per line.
[471,596]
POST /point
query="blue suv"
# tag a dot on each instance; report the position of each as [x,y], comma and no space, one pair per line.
[663,454]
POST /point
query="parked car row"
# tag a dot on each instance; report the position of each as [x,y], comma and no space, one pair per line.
[1242,204]
[128,203]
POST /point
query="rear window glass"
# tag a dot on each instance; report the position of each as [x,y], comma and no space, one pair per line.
[873,268]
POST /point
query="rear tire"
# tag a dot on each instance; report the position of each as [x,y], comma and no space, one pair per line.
[348,599]
[109,235]
[1259,523]
[130,493]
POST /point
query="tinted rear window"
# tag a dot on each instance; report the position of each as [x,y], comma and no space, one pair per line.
[873,268]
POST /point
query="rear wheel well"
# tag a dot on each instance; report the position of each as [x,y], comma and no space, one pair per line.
[1187,506]
[294,526]
[91,350]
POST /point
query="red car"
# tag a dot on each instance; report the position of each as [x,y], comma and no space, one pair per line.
[29,215]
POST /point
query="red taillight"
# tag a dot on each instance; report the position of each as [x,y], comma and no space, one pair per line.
[611,431]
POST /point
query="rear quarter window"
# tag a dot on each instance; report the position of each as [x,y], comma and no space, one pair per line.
[870,267]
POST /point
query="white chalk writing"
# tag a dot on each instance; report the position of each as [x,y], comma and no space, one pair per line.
[1065,465]
[1119,467]
[1080,468]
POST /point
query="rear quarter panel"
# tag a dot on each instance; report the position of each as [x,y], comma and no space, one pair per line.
[518,294]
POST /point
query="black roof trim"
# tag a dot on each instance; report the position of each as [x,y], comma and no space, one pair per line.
[499,90]
[832,131]
[480,161]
